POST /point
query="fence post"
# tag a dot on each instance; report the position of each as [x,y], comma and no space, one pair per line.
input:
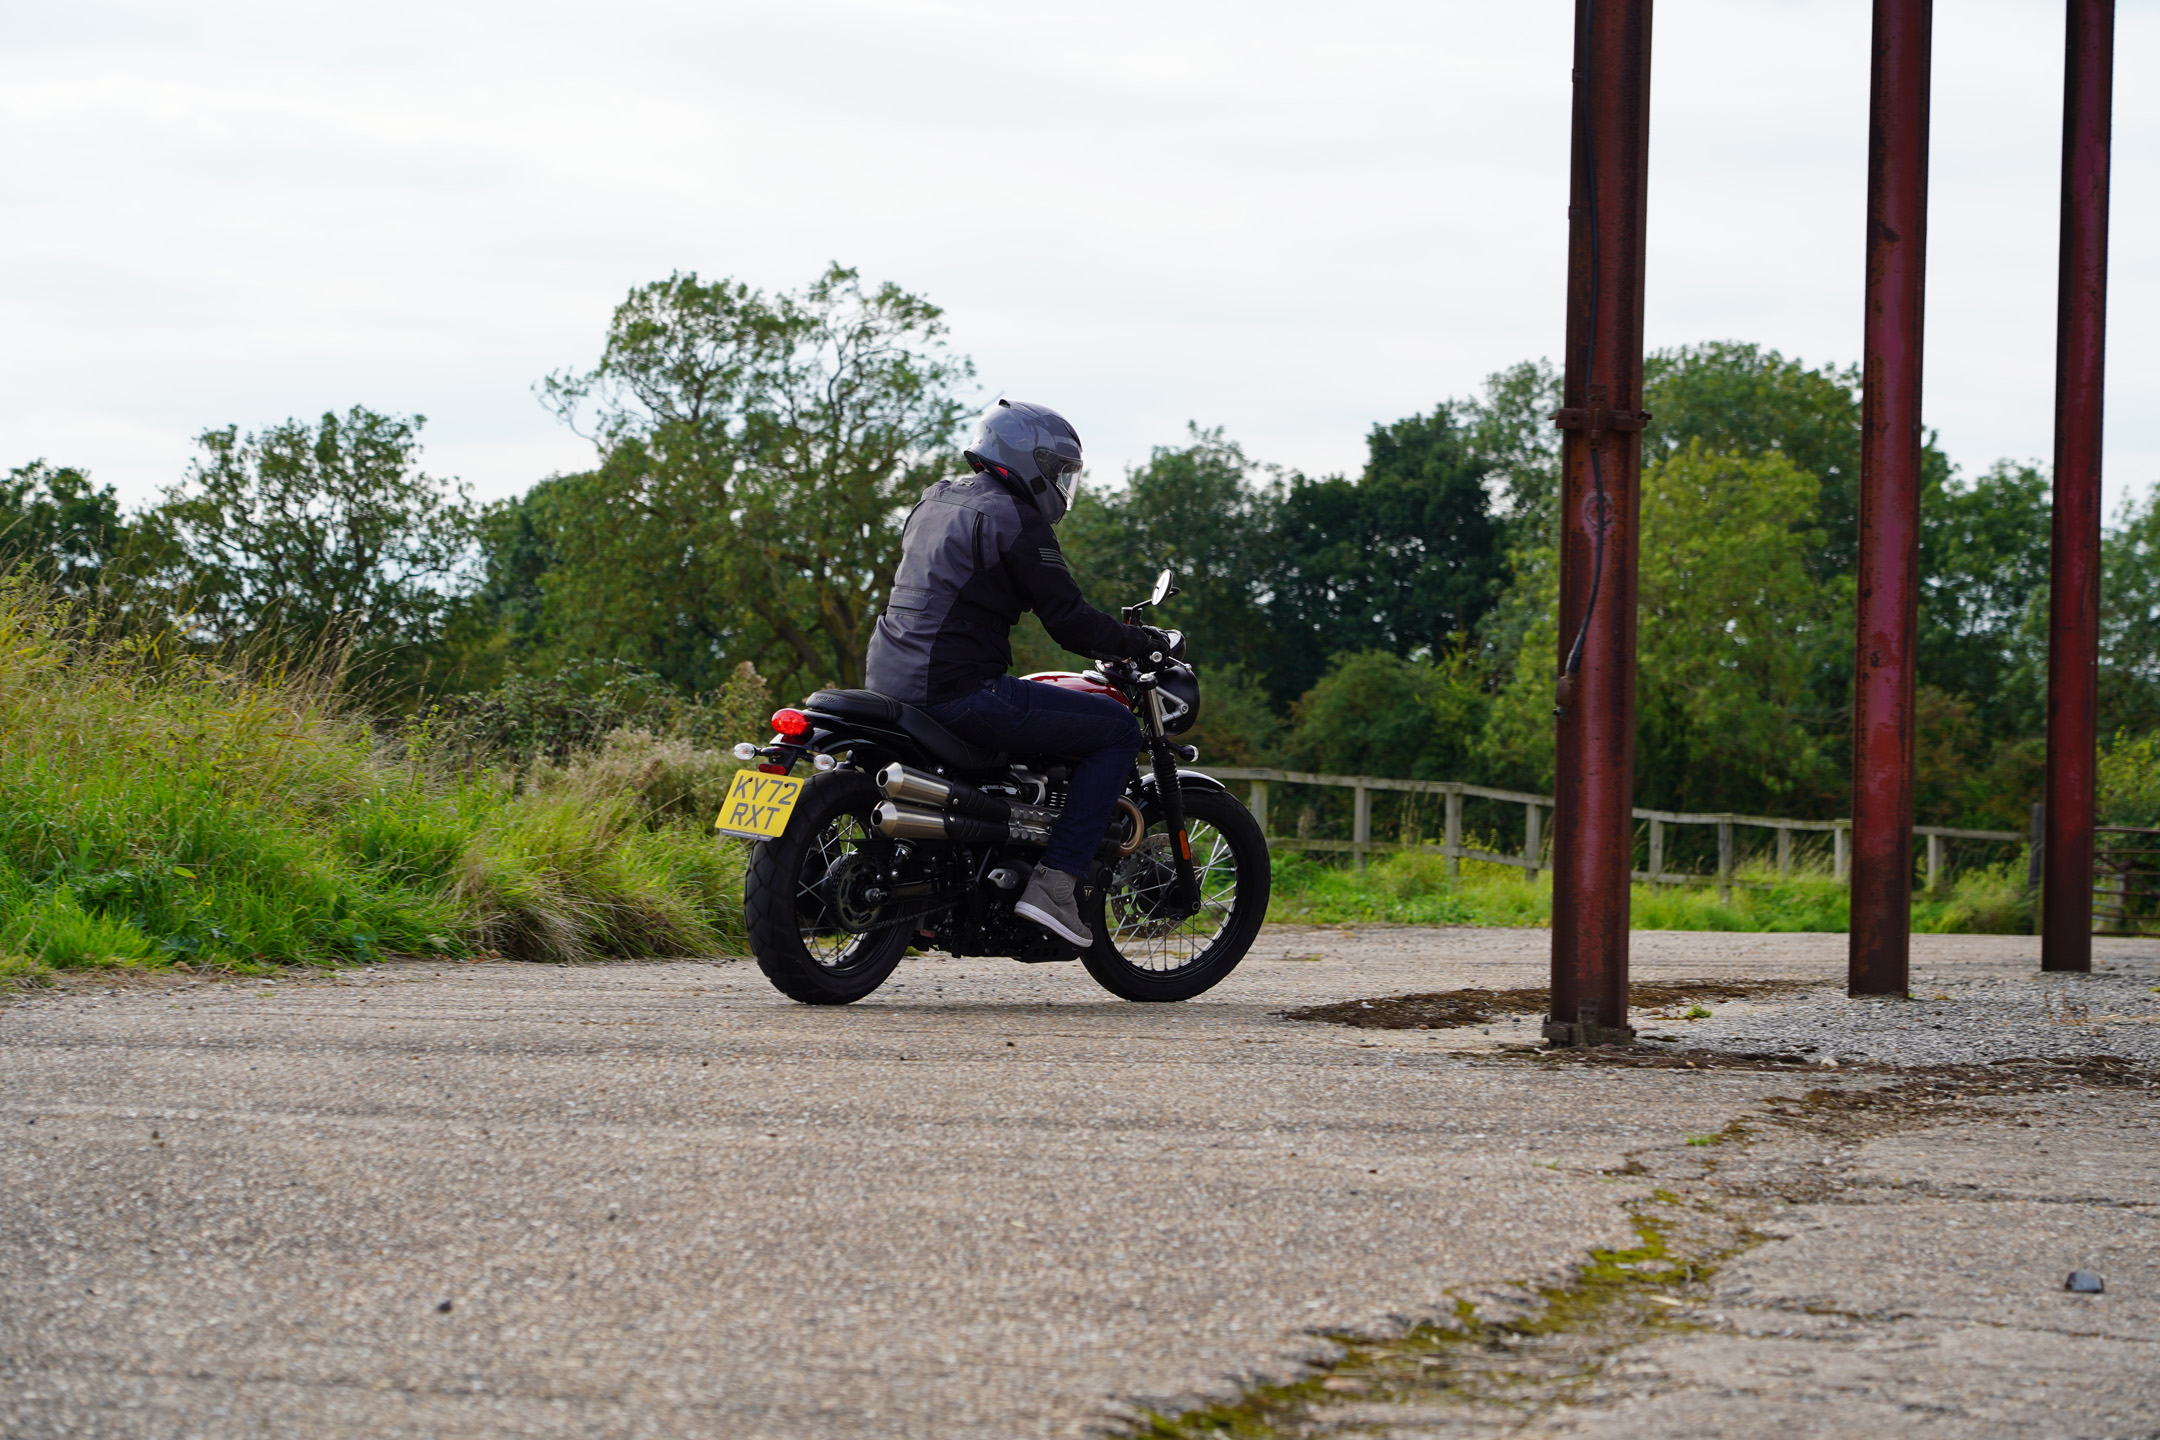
[1724,861]
[1840,837]
[1259,805]
[2039,838]
[1361,825]
[1452,839]
[1657,849]
[1935,865]
[1532,844]
[1784,853]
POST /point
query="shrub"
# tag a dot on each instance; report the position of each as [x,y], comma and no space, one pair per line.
[1413,888]
[1374,713]
[1985,900]
[530,719]
[157,805]
[670,781]
[2130,781]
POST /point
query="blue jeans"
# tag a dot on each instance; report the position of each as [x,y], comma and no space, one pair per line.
[1098,734]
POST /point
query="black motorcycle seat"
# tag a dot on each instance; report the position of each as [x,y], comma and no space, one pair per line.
[870,708]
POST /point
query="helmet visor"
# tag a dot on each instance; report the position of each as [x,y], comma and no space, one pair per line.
[1063,471]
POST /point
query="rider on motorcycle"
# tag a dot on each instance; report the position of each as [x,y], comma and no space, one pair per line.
[976,552]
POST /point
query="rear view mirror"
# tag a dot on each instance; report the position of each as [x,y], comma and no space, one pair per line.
[1164,588]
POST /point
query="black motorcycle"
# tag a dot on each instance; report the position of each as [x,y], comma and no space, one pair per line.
[903,834]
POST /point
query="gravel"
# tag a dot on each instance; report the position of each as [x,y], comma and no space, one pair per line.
[1948,1021]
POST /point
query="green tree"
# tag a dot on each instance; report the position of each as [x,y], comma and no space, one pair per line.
[508,612]
[1203,509]
[1744,400]
[330,532]
[1377,713]
[53,519]
[1237,725]
[1732,625]
[1510,428]
[2129,621]
[1407,559]
[1983,582]
[1733,622]
[757,457]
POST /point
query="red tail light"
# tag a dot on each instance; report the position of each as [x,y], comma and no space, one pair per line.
[791,723]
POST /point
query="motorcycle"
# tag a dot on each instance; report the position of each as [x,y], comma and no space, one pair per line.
[904,835]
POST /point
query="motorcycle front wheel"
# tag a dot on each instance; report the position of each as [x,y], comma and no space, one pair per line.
[802,897]
[1144,950]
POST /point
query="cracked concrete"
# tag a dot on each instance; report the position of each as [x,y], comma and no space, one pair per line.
[1925,1297]
[1858,1282]
[989,1202]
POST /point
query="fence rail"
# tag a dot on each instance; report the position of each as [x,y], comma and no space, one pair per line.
[1531,860]
[2126,880]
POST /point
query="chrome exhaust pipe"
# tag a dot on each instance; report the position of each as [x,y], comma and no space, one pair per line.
[957,797]
[909,822]
[900,783]
[915,822]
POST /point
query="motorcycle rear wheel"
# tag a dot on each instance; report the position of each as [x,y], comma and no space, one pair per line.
[1141,951]
[796,890]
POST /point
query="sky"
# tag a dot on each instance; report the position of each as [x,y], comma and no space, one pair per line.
[1291,221]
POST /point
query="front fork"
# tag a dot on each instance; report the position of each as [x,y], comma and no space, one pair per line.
[1172,797]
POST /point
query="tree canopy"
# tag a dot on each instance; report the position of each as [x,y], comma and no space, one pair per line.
[326,533]
[756,457]
[68,530]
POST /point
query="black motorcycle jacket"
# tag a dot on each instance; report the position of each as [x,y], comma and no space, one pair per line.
[974,555]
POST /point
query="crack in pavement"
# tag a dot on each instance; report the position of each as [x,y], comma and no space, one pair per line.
[1620,1350]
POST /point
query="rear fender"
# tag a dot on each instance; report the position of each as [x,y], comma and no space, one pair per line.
[831,735]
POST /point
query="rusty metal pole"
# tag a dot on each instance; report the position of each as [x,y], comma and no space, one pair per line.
[2066,896]
[1601,460]
[1890,446]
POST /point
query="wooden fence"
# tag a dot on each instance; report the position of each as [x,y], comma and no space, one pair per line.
[2126,880]
[1531,859]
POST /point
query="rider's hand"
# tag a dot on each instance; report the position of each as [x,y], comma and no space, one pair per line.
[1157,642]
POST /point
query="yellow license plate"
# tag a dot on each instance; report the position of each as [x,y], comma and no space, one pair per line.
[758,805]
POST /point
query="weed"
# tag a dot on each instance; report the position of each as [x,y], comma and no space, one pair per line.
[1617,1297]
[1414,888]
[157,806]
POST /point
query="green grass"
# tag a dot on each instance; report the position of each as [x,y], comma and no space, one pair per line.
[1413,888]
[156,807]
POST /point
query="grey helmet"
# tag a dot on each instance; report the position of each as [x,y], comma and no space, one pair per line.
[1035,446]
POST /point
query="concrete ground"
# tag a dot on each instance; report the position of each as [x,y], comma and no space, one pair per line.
[494,1200]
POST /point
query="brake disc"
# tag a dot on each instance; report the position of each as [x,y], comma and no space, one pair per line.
[1144,892]
[852,890]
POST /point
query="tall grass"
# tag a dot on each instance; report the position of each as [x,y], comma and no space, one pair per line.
[1413,888]
[157,806]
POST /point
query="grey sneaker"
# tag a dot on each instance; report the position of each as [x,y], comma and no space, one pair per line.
[1048,901]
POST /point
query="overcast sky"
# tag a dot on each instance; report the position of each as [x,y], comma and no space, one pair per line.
[1291,221]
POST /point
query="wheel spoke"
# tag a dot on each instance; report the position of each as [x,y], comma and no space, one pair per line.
[1154,941]
[829,942]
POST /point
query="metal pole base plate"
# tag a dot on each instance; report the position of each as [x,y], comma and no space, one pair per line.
[1586,1034]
